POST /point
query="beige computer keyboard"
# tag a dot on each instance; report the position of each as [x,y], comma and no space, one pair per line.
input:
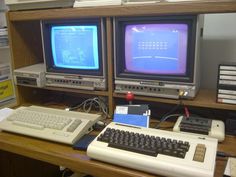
[155,151]
[49,123]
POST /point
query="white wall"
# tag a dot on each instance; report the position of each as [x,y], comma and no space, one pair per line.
[2,4]
[2,13]
[219,45]
[2,20]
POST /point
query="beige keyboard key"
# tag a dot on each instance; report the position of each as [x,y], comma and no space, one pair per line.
[199,154]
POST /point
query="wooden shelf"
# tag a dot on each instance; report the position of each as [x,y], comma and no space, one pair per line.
[190,7]
[24,31]
[70,90]
[205,98]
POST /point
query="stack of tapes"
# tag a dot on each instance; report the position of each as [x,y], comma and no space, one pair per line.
[3,37]
[226,88]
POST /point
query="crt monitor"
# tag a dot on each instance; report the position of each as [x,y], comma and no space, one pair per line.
[74,48]
[155,51]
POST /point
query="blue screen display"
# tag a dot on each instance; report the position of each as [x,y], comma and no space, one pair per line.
[75,47]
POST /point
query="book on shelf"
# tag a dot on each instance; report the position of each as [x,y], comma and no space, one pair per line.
[6,84]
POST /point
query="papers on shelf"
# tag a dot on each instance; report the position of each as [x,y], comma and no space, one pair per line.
[127,2]
[180,0]
[3,37]
[6,83]
[88,3]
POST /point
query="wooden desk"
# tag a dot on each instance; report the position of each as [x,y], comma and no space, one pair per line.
[78,161]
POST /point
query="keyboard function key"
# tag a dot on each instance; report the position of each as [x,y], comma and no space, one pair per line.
[199,154]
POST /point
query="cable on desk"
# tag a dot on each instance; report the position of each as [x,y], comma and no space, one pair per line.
[186,111]
[167,117]
[224,154]
[169,114]
[87,105]
[166,128]
[69,173]
[66,172]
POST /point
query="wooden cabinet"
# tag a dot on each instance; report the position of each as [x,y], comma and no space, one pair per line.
[26,46]
[13,165]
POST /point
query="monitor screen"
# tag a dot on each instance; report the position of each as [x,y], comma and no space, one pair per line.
[156,48]
[75,47]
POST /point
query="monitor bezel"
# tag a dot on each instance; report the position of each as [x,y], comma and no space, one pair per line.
[119,50]
[47,49]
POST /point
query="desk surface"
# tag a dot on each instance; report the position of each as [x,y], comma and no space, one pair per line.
[64,155]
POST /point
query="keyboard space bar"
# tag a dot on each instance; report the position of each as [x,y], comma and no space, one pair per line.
[24,124]
[134,149]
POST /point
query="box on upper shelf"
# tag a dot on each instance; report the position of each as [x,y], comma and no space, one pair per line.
[37,4]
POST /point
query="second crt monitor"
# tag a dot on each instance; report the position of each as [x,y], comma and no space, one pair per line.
[157,56]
